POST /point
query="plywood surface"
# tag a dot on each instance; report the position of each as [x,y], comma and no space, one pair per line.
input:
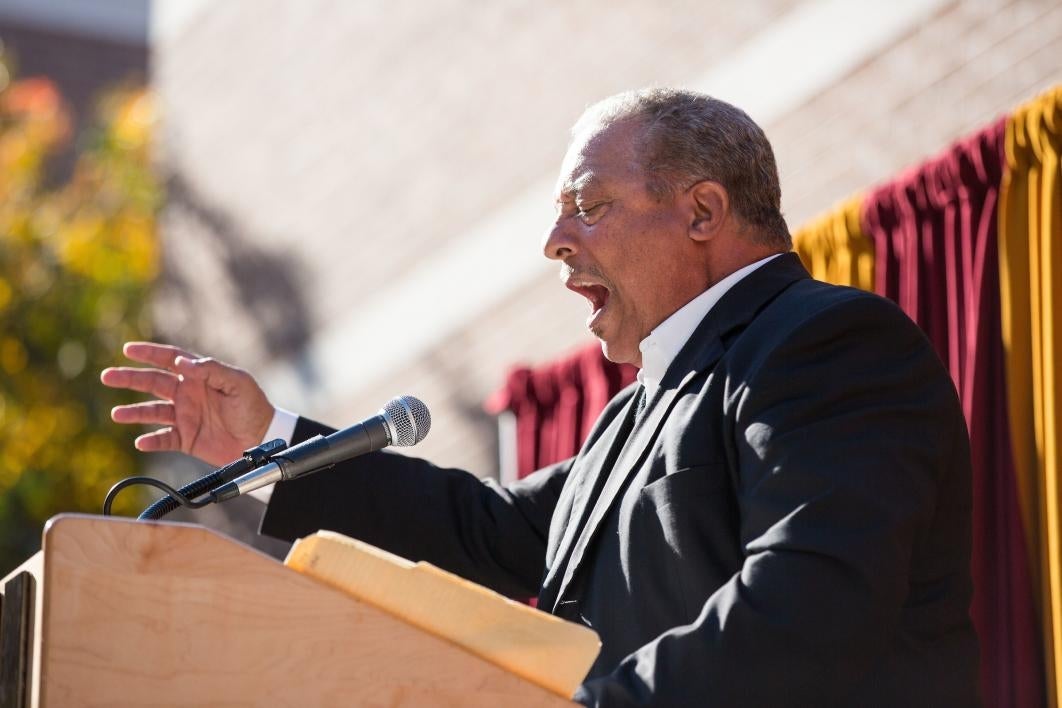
[152,614]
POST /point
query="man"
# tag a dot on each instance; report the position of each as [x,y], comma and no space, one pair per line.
[777,513]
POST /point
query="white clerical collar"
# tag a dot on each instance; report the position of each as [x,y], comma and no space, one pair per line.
[662,345]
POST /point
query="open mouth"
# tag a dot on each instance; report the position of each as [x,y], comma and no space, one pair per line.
[595,293]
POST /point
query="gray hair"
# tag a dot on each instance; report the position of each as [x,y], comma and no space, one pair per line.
[690,137]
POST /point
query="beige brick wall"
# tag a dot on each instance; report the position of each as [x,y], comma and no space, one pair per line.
[972,63]
[351,138]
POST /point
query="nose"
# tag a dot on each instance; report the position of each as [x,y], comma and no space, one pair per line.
[558,243]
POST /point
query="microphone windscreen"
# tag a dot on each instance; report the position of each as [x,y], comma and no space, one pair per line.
[408,420]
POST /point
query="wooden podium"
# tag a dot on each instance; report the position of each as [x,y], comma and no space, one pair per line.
[116,612]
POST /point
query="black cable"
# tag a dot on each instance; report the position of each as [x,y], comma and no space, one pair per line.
[252,458]
[198,487]
[151,481]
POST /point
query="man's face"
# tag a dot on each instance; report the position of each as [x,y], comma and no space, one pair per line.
[621,249]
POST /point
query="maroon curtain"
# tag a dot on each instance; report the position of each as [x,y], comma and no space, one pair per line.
[934,234]
[557,403]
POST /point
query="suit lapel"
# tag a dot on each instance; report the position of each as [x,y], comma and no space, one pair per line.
[734,310]
[630,458]
[588,476]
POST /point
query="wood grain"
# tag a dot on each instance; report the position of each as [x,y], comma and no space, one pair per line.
[163,614]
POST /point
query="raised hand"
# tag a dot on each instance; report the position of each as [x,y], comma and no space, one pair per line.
[211,410]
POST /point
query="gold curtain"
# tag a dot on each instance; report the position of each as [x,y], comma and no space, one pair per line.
[834,248]
[1030,262]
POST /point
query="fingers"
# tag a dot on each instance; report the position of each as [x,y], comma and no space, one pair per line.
[149,413]
[213,373]
[161,384]
[159,441]
[160,355]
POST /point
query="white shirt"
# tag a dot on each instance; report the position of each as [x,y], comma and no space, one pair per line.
[659,349]
[282,426]
[663,344]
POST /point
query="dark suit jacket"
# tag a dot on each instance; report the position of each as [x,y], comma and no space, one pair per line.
[788,523]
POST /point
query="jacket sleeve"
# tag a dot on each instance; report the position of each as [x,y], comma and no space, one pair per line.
[492,535]
[849,451]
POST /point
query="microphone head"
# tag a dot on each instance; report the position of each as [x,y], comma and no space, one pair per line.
[408,420]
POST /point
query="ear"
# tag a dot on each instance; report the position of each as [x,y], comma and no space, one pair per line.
[711,208]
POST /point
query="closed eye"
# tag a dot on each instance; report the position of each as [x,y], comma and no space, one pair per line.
[591,213]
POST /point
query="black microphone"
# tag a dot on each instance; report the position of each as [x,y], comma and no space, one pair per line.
[403,422]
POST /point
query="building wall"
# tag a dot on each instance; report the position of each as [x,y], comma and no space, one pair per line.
[319,152]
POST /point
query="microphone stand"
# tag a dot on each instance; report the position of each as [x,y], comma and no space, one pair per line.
[252,459]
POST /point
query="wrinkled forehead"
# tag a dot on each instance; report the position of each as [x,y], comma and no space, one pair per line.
[600,154]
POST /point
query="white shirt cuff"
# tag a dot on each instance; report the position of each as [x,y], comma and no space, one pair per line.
[282,426]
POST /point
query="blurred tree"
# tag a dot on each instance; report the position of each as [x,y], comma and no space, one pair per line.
[76,264]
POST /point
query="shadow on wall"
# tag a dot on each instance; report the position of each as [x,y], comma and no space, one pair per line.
[225,295]
[454,365]
[269,311]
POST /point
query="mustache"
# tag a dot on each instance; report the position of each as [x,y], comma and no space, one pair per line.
[567,272]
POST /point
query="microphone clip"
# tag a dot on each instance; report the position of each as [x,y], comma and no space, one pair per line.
[261,454]
[252,459]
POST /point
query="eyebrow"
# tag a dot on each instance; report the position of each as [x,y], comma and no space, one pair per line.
[584,181]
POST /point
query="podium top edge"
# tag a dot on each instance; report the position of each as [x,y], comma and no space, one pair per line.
[72,522]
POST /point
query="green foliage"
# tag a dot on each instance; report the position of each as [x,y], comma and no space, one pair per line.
[76,264]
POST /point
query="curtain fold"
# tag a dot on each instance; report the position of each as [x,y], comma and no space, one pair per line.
[556,404]
[834,248]
[934,230]
[1030,226]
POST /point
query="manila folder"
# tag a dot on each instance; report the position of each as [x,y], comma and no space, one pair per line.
[534,645]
